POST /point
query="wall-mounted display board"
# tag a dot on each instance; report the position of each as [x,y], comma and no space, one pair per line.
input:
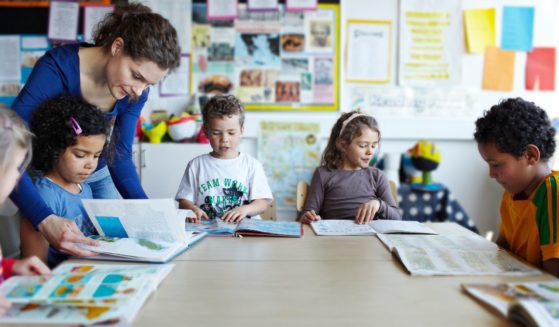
[273,60]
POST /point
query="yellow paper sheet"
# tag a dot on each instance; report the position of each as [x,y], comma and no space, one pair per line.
[479,25]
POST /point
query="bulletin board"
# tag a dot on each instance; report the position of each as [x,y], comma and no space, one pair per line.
[272,61]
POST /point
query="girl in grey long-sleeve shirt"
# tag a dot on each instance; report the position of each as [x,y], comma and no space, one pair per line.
[345,187]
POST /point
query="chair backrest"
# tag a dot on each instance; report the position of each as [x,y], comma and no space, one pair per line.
[302,193]
[393,190]
[270,213]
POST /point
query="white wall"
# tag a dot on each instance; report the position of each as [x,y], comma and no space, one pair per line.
[461,169]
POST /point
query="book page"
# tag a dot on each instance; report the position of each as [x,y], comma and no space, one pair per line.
[135,248]
[82,294]
[385,226]
[336,227]
[454,255]
[532,303]
[270,227]
[153,219]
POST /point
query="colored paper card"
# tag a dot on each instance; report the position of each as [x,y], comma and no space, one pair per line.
[518,28]
[262,5]
[301,5]
[222,9]
[540,69]
[498,69]
[480,29]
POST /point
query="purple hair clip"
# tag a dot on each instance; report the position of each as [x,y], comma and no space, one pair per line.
[75,126]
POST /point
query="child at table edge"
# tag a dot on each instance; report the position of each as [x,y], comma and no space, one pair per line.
[225,183]
[516,139]
[345,186]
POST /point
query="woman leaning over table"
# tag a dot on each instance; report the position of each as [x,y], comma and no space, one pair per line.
[134,48]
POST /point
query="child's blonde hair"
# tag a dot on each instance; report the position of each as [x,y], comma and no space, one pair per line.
[346,128]
[13,134]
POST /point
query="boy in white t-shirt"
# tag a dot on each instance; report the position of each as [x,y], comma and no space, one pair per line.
[225,183]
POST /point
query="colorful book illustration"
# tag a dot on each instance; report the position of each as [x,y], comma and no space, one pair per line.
[340,227]
[454,254]
[529,303]
[139,230]
[253,227]
[82,294]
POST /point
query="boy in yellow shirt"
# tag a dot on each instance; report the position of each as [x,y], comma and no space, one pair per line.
[516,139]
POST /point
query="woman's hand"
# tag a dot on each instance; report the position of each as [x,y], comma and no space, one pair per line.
[30,266]
[309,216]
[367,211]
[65,236]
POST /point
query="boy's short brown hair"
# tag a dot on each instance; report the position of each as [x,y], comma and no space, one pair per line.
[223,105]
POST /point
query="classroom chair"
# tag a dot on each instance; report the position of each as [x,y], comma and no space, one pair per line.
[271,212]
[302,193]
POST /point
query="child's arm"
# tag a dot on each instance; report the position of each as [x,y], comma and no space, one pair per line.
[502,242]
[551,266]
[187,204]
[313,204]
[5,305]
[256,207]
[32,241]
[308,217]
[30,266]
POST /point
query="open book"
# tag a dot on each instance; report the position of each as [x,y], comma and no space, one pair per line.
[254,227]
[338,227]
[82,294]
[455,254]
[139,230]
[529,303]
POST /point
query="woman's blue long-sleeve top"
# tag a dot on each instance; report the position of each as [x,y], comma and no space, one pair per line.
[56,73]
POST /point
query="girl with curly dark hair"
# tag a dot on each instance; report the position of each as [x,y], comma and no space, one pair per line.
[70,136]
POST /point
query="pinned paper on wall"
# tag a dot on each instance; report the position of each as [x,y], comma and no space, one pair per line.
[518,28]
[479,25]
[498,69]
[430,43]
[540,69]
[222,9]
[368,39]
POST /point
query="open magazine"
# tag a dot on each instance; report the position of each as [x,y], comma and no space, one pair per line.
[82,294]
[339,227]
[468,254]
[254,227]
[529,303]
[139,230]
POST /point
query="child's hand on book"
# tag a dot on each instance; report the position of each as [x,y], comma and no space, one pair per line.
[30,266]
[200,214]
[309,216]
[5,305]
[235,215]
[367,211]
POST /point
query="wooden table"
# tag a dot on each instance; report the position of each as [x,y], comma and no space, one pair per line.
[312,281]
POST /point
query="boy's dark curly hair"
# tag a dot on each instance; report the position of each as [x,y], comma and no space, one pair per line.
[222,105]
[513,124]
[54,132]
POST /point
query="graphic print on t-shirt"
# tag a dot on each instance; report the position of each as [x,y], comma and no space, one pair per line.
[232,195]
